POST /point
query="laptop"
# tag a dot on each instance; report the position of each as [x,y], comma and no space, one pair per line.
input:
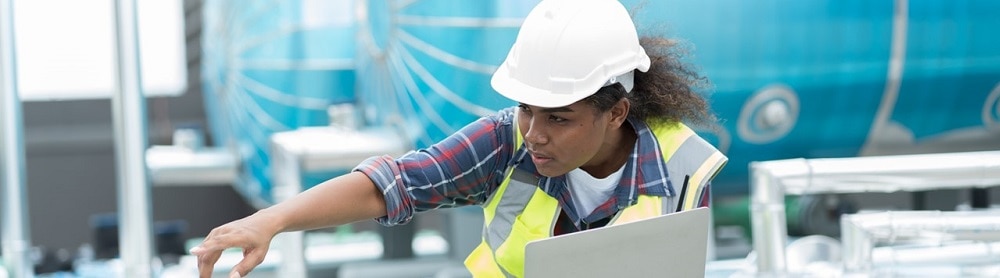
[672,245]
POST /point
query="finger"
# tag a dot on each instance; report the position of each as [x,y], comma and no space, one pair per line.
[206,263]
[217,243]
[210,250]
[251,259]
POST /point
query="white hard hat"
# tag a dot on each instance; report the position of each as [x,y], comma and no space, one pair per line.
[567,50]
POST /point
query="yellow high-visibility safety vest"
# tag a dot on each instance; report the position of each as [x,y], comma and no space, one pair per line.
[520,212]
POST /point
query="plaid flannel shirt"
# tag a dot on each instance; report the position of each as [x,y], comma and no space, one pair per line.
[468,166]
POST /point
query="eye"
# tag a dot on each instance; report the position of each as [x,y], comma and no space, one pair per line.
[556,119]
[524,109]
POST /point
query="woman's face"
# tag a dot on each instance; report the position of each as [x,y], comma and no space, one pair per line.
[565,138]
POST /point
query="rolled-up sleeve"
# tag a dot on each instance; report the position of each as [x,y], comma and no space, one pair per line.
[463,169]
[382,170]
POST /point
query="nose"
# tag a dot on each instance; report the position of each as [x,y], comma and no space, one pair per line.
[535,133]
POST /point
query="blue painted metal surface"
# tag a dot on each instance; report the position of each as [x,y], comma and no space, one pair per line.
[832,55]
[427,64]
[273,66]
[789,78]
[834,58]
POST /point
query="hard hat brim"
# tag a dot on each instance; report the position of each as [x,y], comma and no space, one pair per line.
[520,92]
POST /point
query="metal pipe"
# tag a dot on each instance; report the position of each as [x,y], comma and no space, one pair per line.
[768,223]
[287,184]
[129,111]
[770,181]
[951,254]
[889,173]
[13,204]
[861,232]
[857,252]
[937,271]
[921,224]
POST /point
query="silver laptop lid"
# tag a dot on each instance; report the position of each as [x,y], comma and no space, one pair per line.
[672,245]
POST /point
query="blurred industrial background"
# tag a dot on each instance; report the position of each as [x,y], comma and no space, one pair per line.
[240,83]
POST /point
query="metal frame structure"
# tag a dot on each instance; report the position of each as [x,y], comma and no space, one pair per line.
[13,191]
[128,104]
[129,115]
[317,149]
[862,232]
[770,181]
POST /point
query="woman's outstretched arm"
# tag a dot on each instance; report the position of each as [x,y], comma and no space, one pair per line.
[345,199]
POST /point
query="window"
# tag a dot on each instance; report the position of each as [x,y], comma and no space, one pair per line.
[65,48]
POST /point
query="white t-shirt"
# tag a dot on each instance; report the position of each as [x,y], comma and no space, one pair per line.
[590,192]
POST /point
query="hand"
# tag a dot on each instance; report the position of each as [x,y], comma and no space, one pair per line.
[253,234]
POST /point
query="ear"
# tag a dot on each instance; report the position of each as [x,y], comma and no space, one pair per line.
[619,113]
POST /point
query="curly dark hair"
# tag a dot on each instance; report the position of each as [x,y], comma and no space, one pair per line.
[667,93]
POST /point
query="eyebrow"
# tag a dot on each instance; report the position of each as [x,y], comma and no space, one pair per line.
[551,110]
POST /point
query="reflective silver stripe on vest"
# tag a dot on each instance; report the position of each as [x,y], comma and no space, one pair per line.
[685,161]
[520,188]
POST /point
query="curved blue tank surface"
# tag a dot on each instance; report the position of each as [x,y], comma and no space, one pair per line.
[824,78]
[841,78]
[271,66]
[427,64]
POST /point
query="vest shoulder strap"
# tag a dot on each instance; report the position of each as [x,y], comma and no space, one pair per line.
[691,162]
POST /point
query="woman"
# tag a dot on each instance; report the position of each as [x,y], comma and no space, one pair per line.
[596,140]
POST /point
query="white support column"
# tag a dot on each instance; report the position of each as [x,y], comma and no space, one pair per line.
[288,183]
[129,114]
[13,191]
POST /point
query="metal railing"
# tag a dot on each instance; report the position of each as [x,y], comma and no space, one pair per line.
[770,181]
[941,231]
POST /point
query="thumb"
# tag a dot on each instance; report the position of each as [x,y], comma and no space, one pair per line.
[251,259]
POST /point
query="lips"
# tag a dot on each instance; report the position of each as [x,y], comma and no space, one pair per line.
[539,158]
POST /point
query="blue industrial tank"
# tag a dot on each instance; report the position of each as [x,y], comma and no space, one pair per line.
[272,66]
[426,64]
[822,78]
[835,78]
